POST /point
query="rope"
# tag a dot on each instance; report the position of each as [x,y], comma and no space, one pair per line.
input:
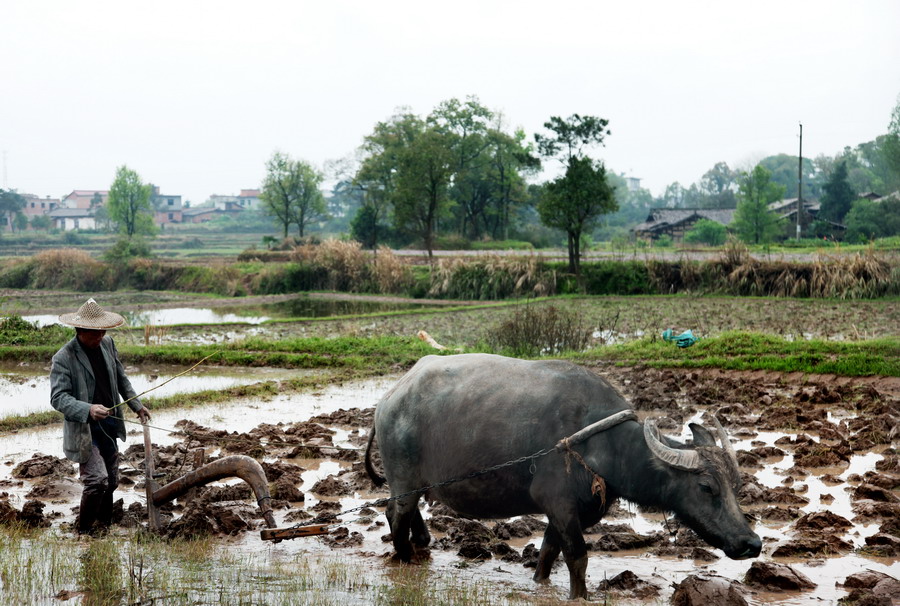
[169,380]
[598,484]
[383,502]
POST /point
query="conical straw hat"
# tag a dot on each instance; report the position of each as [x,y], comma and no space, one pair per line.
[90,315]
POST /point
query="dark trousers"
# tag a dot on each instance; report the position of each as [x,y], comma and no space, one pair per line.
[100,477]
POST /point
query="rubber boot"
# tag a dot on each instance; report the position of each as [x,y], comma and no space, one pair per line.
[88,511]
[105,511]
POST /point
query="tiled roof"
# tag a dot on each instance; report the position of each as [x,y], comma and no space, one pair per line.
[660,218]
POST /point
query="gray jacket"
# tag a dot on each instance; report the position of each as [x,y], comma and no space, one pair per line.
[71,389]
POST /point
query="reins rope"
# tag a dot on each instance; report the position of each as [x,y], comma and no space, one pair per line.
[169,380]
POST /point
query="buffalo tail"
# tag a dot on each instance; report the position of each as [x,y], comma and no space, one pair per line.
[376,478]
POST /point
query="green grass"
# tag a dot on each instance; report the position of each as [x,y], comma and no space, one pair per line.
[736,350]
[135,567]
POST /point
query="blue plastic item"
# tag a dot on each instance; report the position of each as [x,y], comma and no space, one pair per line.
[685,339]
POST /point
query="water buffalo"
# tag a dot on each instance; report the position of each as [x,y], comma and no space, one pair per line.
[450,416]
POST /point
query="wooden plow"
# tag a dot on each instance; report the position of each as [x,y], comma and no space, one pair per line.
[236,466]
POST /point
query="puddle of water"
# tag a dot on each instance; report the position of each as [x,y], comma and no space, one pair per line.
[168,317]
[27,391]
[368,560]
[300,307]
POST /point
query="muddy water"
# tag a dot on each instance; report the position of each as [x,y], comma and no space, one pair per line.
[370,560]
[26,389]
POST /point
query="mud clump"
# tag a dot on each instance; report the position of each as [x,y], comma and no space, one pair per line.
[354,417]
[823,521]
[521,528]
[32,514]
[821,545]
[42,466]
[626,584]
[874,493]
[332,486]
[620,541]
[770,576]
[702,590]
[342,537]
[204,518]
[871,588]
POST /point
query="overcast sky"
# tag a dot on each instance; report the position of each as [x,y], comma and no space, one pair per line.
[196,95]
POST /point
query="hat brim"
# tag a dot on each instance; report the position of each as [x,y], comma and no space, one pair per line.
[105,321]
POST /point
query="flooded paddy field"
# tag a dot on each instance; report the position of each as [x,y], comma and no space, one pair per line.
[611,318]
[821,475]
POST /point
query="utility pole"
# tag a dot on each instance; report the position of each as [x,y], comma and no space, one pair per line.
[800,183]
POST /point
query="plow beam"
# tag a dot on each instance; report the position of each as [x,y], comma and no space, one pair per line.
[237,466]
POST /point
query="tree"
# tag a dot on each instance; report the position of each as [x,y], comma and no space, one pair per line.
[422,196]
[11,203]
[838,195]
[673,196]
[377,174]
[870,219]
[571,136]
[783,170]
[575,201]
[42,222]
[718,184]
[20,222]
[891,147]
[291,192]
[753,222]
[129,204]
[708,232]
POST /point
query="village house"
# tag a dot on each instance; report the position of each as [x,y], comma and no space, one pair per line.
[36,206]
[169,208]
[85,198]
[248,199]
[67,219]
[675,222]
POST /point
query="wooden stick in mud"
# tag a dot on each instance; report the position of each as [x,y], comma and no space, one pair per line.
[149,483]
[279,534]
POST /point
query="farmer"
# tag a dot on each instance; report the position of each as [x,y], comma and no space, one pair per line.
[86,381]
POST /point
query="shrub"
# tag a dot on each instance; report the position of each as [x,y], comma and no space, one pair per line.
[389,273]
[288,278]
[491,278]
[344,262]
[16,331]
[664,241]
[534,330]
[614,278]
[126,249]
[16,274]
[70,268]
[706,232]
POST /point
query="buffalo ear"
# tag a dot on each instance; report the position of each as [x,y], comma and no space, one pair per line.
[702,436]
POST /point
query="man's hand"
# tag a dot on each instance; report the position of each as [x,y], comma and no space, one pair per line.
[144,415]
[98,412]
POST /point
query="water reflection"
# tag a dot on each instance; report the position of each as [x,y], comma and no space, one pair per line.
[299,307]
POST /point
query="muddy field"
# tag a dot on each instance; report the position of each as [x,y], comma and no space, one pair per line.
[821,471]
[821,476]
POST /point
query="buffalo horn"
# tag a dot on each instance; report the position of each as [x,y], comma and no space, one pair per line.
[687,460]
[726,443]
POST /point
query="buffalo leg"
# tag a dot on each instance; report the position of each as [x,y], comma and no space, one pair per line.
[420,535]
[400,515]
[546,558]
[567,529]
[564,532]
